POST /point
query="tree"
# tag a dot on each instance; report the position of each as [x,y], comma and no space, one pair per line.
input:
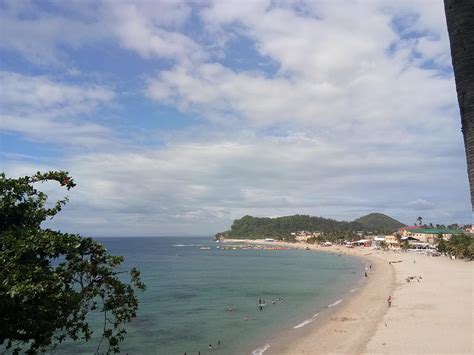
[460,246]
[51,281]
[419,220]
[460,22]
[441,244]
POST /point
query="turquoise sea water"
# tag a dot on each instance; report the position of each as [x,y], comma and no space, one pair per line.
[189,292]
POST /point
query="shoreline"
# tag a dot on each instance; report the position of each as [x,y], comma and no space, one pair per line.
[364,324]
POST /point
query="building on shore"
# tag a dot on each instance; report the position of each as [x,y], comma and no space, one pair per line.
[469,229]
[363,242]
[392,241]
[378,241]
[303,236]
[430,235]
[405,231]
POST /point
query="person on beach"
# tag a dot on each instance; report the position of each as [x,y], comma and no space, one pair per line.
[366,274]
[389,301]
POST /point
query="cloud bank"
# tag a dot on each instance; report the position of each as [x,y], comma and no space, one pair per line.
[267,108]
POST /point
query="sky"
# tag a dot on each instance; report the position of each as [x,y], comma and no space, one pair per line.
[177,117]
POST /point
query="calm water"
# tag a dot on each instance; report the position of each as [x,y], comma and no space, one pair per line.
[189,291]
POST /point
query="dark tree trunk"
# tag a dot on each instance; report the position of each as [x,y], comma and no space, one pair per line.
[460,20]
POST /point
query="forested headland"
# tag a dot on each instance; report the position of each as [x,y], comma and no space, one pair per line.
[249,227]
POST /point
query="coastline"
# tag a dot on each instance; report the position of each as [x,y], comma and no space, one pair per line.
[422,318]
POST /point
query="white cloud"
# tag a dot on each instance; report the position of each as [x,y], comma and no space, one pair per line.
[47,110]
[147,28]
[38,36]
[139,27]
[201,186]
[336,73]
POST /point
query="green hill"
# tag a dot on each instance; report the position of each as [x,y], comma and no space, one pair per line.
[249,227]
[379,222]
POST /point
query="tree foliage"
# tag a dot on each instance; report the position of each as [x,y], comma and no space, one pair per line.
[282,227]
[459,245]
[379,222]
[51,281]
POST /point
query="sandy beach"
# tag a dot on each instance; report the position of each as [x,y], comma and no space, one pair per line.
[431,314]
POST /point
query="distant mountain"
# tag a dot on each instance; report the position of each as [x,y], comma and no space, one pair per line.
[249,227]
[379,222]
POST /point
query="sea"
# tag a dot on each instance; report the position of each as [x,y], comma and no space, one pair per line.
[198,297]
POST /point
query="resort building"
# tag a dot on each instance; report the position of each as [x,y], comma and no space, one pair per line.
[430,235]
[405,231]
[392,241]
[303,236]
[363,242]
[378,241]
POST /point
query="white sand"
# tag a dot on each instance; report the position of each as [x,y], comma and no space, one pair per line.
[432,316]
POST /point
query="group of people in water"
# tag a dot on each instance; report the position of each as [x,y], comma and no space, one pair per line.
[261,303]
[212,347]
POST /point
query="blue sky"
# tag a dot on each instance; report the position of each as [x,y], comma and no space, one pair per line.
[175,117]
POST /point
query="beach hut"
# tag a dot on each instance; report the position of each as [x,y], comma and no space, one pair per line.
[363,242]
[377,241]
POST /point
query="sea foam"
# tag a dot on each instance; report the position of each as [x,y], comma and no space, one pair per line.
[335,303]
[261,350]
[302,324]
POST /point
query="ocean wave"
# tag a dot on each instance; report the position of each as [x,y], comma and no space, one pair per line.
[302,324]
[354,290]
[260,351]
[184,245]
[315,315]
[335,303]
